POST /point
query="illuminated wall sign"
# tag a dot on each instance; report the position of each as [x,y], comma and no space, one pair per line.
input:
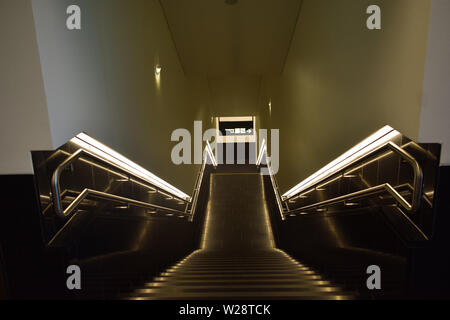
[235,129]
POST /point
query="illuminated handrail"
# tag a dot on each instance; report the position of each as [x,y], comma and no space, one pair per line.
[88,143]
[375,140]
[275,186]
[206,153]
[416,187]
[208,150]
[56,189]
[362,194]
[64,213]
[262,153]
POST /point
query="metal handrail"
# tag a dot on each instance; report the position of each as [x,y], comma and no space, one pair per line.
[262,153]
[417,183]
[358,195]
[411,188]
[416,188]
[206,153]
[56,189]
[64,213]
[275,186]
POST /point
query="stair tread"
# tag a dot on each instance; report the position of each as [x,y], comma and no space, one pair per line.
[279,276]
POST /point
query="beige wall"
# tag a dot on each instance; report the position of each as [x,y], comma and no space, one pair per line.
[342,82]
[236,95]
[24,123]
[102,80]
[435,114]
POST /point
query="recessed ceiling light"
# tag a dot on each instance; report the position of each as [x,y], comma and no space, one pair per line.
[158,70]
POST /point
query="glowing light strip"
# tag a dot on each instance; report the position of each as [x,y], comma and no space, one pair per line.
[103,151]
[261,152]
[275,186]
[377,139]
[233,119]
[211,155]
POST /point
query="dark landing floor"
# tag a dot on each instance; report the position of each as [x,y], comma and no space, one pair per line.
[238,259]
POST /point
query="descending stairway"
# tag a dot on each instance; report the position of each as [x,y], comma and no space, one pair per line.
[259,275]
[238,259]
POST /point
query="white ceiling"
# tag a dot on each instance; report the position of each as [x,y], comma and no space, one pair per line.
[213,38]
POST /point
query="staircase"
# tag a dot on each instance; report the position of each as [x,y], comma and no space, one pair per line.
[238,259]
[258,275]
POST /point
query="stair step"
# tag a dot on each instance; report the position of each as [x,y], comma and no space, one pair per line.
[238,276]
[274,286]
[243,288]
[235,281]
[233,268]
[239,272]
[220,295]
